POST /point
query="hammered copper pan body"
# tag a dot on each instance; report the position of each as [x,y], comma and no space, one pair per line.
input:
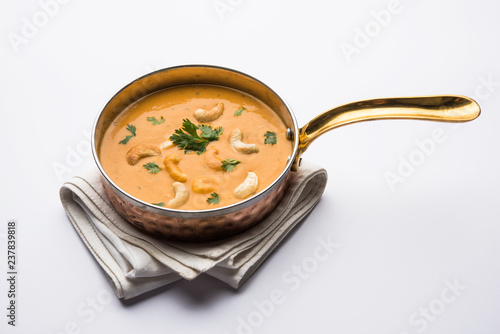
[197,229]
[203,225]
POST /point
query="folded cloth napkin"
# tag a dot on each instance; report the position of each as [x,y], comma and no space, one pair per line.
[136,262]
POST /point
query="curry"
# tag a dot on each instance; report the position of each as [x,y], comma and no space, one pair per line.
[195,147]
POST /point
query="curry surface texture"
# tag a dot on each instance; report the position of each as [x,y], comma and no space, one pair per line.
[157,116]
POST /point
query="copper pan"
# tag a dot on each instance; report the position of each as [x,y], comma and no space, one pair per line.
[204,225]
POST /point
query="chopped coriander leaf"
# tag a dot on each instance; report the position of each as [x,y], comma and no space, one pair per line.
[155,121]
[270,138]
[210,134]
[239,111]
[131,128]
[187,138]
[213,199]
[159,204]
[229,164]
[125,140]
[152,167]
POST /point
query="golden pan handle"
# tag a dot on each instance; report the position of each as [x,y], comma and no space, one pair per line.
[444,108]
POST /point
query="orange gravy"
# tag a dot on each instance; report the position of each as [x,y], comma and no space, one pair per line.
[174,105]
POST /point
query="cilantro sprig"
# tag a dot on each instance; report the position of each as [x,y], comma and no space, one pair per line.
[130,128]
[213,199]
[188,139]
[152,167]
[155,121]
[239,111]
[229,164]
[210,134]
[270,138]
[159,204]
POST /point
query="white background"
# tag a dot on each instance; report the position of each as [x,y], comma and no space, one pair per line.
[397,246]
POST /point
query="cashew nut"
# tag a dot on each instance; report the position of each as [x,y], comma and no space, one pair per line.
[181,194]
[212,160]
[248,187]
[204,116]
[171,161]
[239,146]
[140,151]
[204,185]
[166,144]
